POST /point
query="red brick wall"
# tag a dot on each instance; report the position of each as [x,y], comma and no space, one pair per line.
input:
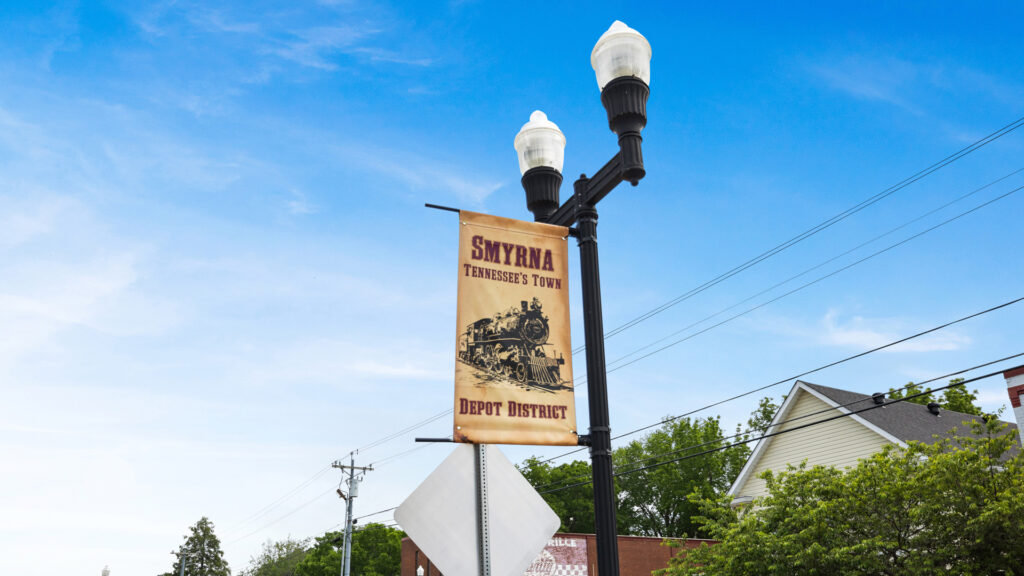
[638,556]
[1015,392]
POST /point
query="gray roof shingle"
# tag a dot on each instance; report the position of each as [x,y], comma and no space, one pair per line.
[904,420]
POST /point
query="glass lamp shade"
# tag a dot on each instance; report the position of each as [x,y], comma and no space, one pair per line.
[540,143]
[621,51]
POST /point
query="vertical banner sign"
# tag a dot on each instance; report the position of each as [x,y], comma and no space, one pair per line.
[513,369]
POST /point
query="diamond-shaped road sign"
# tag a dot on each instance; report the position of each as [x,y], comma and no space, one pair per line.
[441,516]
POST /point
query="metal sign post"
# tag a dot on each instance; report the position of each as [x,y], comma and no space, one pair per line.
[482,521]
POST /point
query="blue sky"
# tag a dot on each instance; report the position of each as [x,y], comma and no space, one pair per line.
[217,274]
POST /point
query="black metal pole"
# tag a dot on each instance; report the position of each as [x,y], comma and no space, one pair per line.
[606,530]
[625,100]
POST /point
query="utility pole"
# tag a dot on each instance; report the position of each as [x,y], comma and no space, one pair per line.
[353,491]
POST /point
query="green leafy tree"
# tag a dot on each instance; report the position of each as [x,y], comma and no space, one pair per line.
[952,507]
[201,551]
[376,551]
[324,558]
[575,505]
[653,501]
[960,399]
[911,389]
[277,558]
[762,416]
[957,398]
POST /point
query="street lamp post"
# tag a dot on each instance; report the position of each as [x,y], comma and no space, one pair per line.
[621,61]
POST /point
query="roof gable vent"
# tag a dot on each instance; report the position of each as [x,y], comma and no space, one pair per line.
[933,408]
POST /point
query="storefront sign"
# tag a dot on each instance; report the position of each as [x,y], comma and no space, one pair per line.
[563,556]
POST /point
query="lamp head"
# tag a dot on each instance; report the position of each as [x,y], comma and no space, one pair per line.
[540,146]
[622,62]
[540,143]
[621,52]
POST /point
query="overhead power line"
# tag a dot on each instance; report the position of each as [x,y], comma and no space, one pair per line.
[768,253]
[776,424]
[406,430]
[376,513]
[805,373]
[267,509]
[747,432]
[780,432]
[823,263]
[402,454]
[616,364]
[716,441]
[269,524]
[765,255]
[620,361]
[817,228]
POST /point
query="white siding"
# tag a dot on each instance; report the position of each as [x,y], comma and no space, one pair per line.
[838,443]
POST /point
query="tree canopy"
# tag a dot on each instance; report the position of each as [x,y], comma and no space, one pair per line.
[952,507]
[957,398]
[575,505]
[277,558]
[652,501]
[201,551]
[653,492]
[376,551]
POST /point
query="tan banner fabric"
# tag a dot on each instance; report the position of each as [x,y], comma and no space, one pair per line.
[513,369]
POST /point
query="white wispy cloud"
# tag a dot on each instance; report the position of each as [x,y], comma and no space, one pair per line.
[220,21]
[62,23]
[424,173]
[65,265]
[860,333]
[51,287]
[344,29]
[349,362]
[149,18]
[914,86]
[22,220]
[886,80]
[156,158]
[381,55]
[79,157]
[298,203]
[316,47]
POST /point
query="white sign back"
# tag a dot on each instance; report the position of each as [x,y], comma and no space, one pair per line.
[441,516]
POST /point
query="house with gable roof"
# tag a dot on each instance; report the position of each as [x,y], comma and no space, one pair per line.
[843,441]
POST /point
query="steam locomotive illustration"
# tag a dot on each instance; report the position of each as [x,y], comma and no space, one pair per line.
[511,344]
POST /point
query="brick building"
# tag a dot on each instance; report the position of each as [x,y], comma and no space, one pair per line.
[1015,388]
[573,555]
